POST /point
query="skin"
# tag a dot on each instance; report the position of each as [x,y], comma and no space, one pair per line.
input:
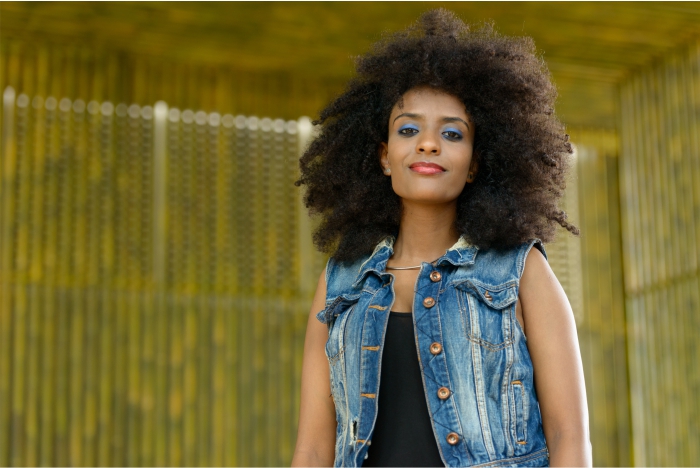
[433,126]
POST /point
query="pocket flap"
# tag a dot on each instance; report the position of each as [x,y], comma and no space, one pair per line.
[497,297]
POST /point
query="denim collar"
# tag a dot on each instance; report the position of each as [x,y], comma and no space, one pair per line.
[461,253]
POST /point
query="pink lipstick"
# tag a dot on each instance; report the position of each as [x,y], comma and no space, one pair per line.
[426,168]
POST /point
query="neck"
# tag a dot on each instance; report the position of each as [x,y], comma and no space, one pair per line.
[425,233]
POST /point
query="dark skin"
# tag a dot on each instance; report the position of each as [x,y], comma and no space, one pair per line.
[426,232]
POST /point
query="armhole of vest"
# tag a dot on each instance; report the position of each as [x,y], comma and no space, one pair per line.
[540,246]
[524,253]
[329,268]
[320,315]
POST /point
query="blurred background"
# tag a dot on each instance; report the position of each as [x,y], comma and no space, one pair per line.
[156,264]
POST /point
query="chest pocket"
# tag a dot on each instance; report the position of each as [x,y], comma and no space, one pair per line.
[336,316]
[487,312]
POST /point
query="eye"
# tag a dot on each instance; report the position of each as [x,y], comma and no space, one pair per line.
[451,134]
[408,130]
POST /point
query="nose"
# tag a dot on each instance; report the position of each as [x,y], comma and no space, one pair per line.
[428,143]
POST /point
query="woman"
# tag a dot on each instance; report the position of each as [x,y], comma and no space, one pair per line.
[438,335]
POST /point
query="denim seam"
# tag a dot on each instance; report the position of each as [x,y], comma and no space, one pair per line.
[379,373]
[511,461]
[515,409]
[332,359]
[480,397]
[505,402]
[418,330]
[467,309]
[476,285]
[449,381]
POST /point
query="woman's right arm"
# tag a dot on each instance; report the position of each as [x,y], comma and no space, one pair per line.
[316,433]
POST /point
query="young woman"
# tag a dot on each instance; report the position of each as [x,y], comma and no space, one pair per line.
[438,335]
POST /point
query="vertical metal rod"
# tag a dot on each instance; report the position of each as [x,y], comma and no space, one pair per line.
[8,112]
[159,340]
[6,174]
[159,191]
[7,164]
[305,244]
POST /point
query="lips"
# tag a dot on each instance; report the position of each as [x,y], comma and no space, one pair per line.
[426,168]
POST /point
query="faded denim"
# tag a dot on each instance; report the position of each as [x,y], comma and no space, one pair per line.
[492,407]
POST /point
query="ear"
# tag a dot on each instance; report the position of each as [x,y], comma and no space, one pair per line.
[474,166]
[473,169]
[383,155]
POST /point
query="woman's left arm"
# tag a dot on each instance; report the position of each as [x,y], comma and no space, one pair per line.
[553,345]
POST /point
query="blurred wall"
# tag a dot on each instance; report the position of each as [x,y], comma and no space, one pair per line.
[602,327]
[154,285]
[103,72]
[660,207]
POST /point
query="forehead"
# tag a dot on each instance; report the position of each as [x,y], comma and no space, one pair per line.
[430,101]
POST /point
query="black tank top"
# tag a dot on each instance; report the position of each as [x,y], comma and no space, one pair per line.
[403,434]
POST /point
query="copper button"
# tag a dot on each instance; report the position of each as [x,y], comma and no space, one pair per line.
[452,438]
[428,302]
[443,393]
[435,276]
[488,296]
[436,348]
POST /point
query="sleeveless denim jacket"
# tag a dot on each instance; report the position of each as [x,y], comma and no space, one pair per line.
[476,368]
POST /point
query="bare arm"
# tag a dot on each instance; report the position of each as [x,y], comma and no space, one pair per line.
[553,346]
[316,433]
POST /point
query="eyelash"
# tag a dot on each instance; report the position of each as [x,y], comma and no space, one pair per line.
[449,134]
[457,135]
[403,131]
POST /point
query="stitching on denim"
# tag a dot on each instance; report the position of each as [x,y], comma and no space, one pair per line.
[449,381]
[505,399]
[465,309]
[511,461]
[481,404]
[379,368]
[335,357]
[420,331]
[515,409]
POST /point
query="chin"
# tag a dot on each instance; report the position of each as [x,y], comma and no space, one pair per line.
[428,197]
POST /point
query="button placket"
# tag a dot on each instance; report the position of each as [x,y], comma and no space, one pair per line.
[432,353]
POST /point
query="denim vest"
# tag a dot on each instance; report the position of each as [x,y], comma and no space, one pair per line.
[476,368]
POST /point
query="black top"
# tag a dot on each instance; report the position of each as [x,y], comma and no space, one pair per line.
[403,434]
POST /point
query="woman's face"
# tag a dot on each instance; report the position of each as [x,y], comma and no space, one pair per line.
[429,151]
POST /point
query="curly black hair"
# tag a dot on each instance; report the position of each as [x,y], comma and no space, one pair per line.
[521,147]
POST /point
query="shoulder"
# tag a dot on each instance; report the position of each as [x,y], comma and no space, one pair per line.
[526,253]
[511,261]
[538,283]
[340,276]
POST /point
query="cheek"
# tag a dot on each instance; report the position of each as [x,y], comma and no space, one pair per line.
[396,147]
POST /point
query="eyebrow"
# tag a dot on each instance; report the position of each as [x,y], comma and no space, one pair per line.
[444,119]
